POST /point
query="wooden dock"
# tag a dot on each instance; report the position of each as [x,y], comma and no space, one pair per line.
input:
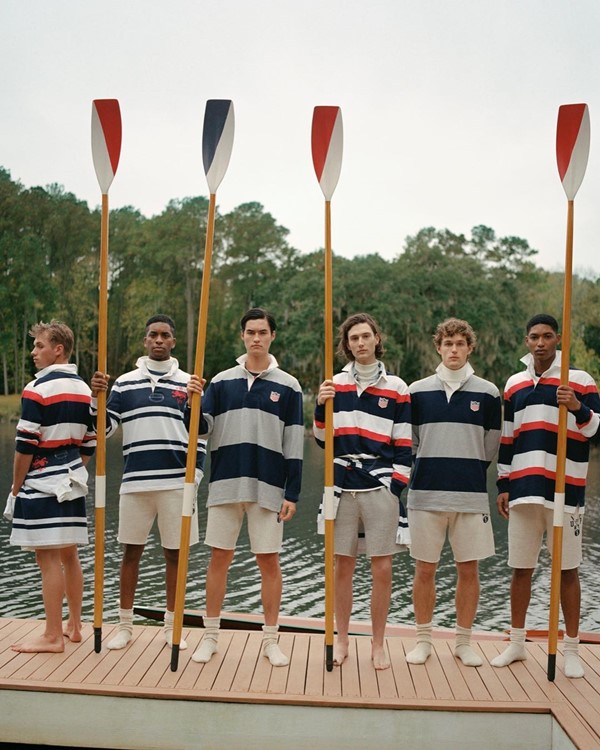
[132,699]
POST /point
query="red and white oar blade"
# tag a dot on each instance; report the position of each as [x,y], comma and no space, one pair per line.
[106,140]
[217,140]
[572,145]
[327,146]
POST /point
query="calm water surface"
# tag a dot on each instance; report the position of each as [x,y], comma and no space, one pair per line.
[302,562]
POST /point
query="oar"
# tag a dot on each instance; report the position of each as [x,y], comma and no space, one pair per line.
[572,149]
[217,142]
[106,149]
[327,147]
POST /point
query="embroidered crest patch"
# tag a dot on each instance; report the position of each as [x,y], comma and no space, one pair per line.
[383,402]
[275,396]
[475,405]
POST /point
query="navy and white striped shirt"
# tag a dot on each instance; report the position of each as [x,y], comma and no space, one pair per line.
[150,408]
[256,429]
[454,441]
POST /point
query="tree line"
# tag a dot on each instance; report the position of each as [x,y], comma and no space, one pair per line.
[49,262]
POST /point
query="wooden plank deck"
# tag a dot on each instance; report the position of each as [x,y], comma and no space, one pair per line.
[239,674]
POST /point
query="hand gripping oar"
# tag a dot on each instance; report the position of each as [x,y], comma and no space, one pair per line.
[106,149]
[572,149]
[217,142]
[327,147]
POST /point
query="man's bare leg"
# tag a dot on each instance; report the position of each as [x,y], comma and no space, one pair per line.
[520,594]
[344,575]
[74,591]
[53,592]
[423,603]
[216,587]
[381,571]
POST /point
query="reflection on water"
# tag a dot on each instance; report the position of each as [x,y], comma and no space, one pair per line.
[302,563]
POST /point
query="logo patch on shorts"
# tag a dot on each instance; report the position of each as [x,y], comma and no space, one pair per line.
[475,405]
[383,402]
[576,525]
[275,396]
[485,517]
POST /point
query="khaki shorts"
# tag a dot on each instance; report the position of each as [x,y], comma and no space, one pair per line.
[376,514]
[225,522]
[527,524]
[470,535]
[137,511]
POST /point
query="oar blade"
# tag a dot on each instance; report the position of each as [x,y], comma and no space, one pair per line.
[572,146]
[327,147]
[217,140]
[106,140]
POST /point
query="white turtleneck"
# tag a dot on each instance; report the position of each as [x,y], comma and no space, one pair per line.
[453,379]
[366,375]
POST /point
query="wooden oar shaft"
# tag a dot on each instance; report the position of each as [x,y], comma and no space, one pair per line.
[561,454]
[329,454]
[100,489]
[190,468]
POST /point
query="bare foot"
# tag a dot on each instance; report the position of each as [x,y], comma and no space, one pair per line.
[72,632]
[40,645]
[340,653]
[380,658]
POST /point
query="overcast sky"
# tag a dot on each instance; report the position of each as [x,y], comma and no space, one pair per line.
[449,110]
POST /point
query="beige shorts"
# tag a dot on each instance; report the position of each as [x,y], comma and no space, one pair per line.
[225,522]
[137,511]
[374,513]
[470,535]
[527,525]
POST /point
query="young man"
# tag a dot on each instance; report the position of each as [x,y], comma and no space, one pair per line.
[149,403]
[253,414]
[526,479]
[372,465]
[456,419]
[55,440]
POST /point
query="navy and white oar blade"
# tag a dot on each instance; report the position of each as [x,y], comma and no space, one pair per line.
[217,140]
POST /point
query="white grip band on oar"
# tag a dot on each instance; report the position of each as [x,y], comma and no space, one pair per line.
[559,509]
[189,499]
[100,492]
[329,504]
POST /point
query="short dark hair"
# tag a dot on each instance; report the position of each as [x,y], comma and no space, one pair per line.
[343,350]
[58,333]
[258,313]
[542,319]
[161,319]
[455,327]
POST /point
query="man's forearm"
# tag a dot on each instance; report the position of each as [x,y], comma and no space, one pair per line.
[20,468]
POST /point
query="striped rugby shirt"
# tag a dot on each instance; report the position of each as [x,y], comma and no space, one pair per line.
[372,432]
[256,429]
[454,442]
[150,408]
[527,459]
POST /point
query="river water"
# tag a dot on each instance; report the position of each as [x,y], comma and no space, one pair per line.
[301,560]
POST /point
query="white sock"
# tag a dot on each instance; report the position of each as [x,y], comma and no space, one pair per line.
[168,630]
[124,630]
[422,650]
[208,645]
[270,647]
[515,651]
[573,665]
[463,649]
